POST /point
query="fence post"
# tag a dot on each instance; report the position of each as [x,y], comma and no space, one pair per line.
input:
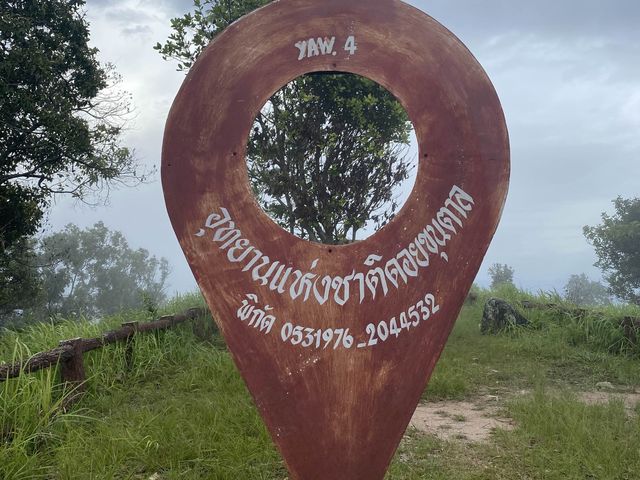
[72,370]
[129,345]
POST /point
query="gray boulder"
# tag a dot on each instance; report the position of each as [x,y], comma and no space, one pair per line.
[499,315]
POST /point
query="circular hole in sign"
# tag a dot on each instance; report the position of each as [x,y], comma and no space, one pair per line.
[332,157]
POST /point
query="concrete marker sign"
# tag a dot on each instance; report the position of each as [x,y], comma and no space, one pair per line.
[336,343]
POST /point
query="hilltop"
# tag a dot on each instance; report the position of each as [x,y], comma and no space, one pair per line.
[184,412]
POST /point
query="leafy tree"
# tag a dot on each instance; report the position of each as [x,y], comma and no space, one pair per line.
[95,272]
[500,274]
[61,118]
[325,152]
[582,291]
[325,157]
[19,280]
[617,244]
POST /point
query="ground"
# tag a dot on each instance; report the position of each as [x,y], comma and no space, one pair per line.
[553,401]
[475,419]
[470,420]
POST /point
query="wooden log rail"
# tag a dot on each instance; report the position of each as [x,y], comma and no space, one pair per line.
[69,354]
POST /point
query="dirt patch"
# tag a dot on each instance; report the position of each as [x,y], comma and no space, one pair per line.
[630,400]
[472,420]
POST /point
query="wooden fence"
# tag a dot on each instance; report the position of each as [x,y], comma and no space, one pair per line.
[69,353]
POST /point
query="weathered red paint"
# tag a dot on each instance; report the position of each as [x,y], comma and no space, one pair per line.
[335,413]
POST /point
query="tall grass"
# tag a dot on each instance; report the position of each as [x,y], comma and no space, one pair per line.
[570,439]
[598,328]
[557,347]
[183,412]
[33,405]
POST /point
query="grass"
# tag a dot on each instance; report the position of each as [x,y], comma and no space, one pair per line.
[33,422]
[568,439]
[198,423]
[183,411]
[562,351]
[558,437]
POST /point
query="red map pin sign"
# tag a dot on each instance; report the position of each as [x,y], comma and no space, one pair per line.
[336,343]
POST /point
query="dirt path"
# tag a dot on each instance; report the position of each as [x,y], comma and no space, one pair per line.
[474,420]
[630,400]
[471,420]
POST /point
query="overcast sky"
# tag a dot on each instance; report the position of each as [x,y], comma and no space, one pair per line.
[567,73]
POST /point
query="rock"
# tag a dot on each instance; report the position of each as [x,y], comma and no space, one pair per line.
[499,315]
[605,386]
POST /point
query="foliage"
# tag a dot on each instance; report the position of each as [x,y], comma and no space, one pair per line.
[193,31]
[77,272]
[582,291]
[326,150]
[500,274]
[95,272]
[34,421]
[157,419]
[19,280]
[617,244]
[557,322]
[61,118]
[324,156]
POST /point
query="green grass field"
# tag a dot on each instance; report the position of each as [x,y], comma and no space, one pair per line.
[183,412]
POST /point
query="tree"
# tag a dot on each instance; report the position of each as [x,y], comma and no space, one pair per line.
[325,152]
[20,284]
[617,244]
[94,272]
[582,291]
[61,117]
[500,274]
[324,156]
